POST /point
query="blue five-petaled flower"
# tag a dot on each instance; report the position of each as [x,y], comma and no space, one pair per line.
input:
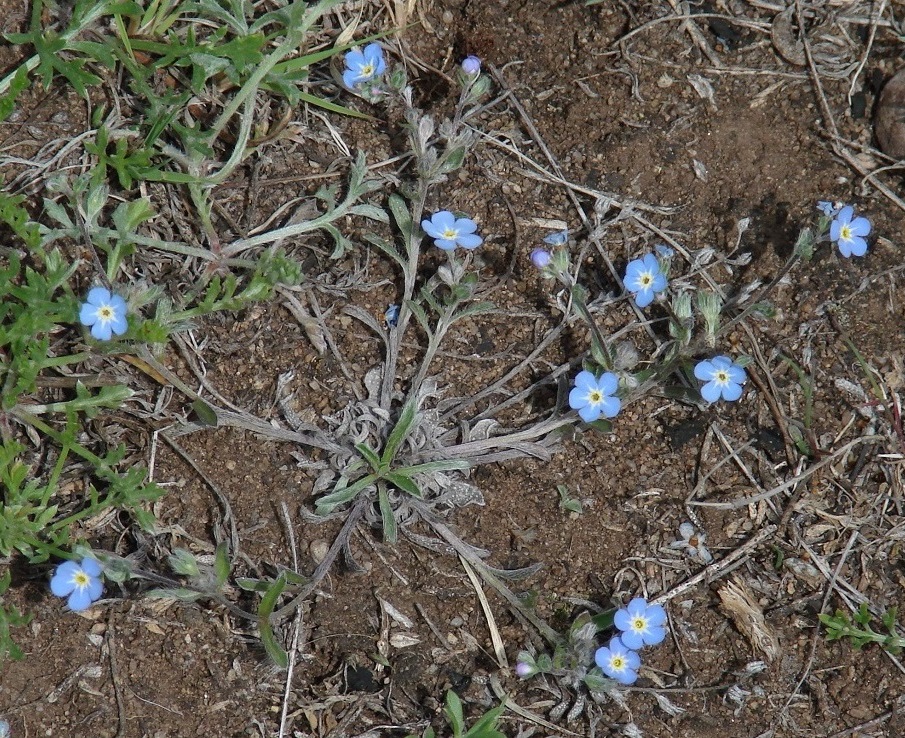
[448,231]
[723,377]
[81,582]
[363,66]
[618,661]
[641,624]
[644,278]
[593,397]
[105,313]
[849,234]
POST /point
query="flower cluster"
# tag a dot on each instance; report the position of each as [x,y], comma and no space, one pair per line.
[640,625]
[448,231]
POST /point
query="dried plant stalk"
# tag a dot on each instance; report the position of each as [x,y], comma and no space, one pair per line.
[739,603]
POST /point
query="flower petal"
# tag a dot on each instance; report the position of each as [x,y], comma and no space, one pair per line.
[858,246]
[622,620]
[704,370]
[656,615]
[119,325]
[96,589]
[443,220]
[710,391]
[611,406]
[98,296]
[736,374]
[590,413]
[88,314]
[102,331]
[79,599]
[445,244]
[466,225]
[632,639]
[91,567]
[609,383]
[644,297]
[860,227]
[354,60]
[732,391]
[585,381]
[469,240]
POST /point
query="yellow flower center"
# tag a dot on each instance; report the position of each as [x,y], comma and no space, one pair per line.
[646,279]
[80,579]
[617,663]
[105,313]
[721,377]
[639,624]
[595,397]
[450,234]
[845,233]
[367,70]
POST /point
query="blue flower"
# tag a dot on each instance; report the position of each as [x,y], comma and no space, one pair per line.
[593,397]
[449,231]
[644,278]
[363,66]
[723,377]
[541,258]
[80,582]
[829,209]
[105,313]
[391,316]
[641,624]
[849,234]
[557,238]
[471,65]
[618,662]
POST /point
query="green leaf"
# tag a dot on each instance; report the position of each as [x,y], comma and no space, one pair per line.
[343,494]
[386,248]
[206,414]
[386,514]
[399,432]
[369,455]
[401,215]
[406,484]
[222,566]
[486,725]
[265,630]
[454,713]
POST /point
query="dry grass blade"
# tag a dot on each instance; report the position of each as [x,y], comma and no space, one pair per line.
[739,603]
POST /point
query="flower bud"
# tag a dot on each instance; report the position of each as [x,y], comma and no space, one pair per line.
[471,65]
[541,258]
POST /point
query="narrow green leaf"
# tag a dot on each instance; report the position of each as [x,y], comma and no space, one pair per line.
[485,727]
[386,248]
[401,215]
[386,514]
[222,566]
[205,413]
[406,484]
[344,494]
[369,455]
[454,713]
[265,630]
[399,432]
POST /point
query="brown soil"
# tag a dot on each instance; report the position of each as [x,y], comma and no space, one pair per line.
[624,119]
